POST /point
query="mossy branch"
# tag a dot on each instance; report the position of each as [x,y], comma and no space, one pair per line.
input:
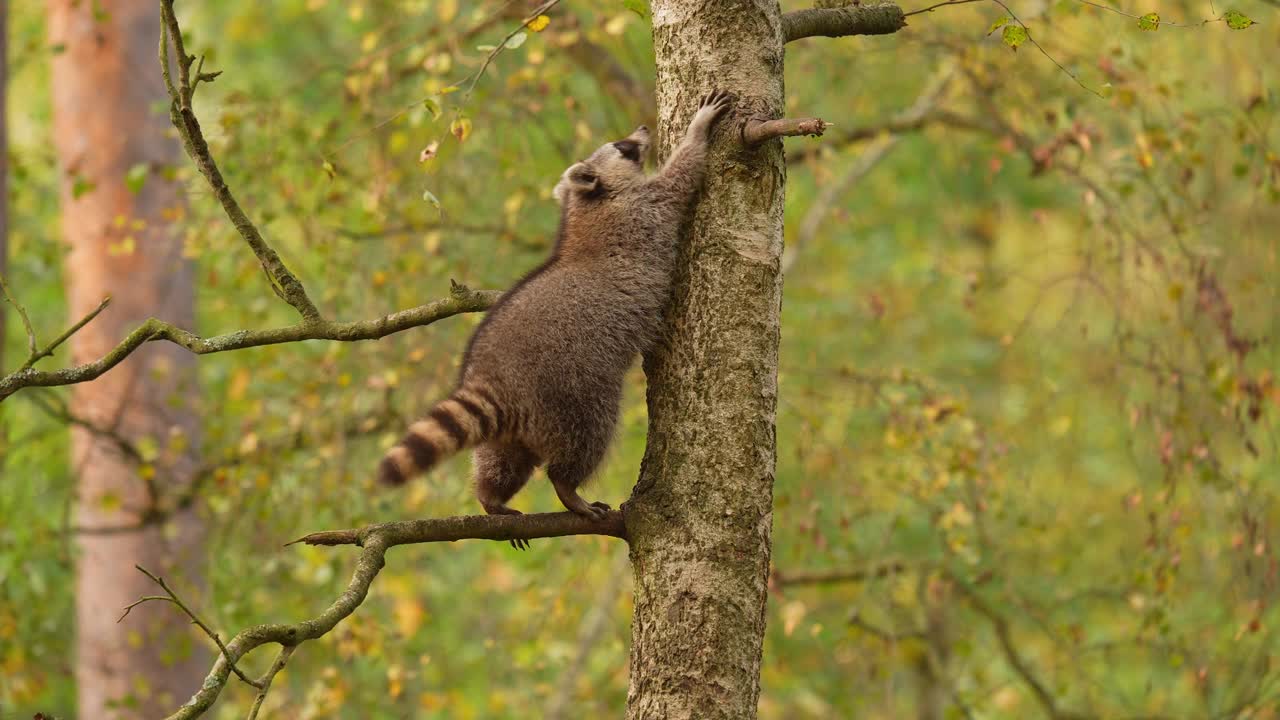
[375,541]
[461,300]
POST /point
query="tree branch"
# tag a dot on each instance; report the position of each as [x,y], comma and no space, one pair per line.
[833,577]
[756,131]
[283,282]
[461,300]
[264,683]
[22,313]
[376,540]
[48,349]
[882,19]
[173,598]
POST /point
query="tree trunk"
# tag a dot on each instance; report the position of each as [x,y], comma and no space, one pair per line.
[700,516]
[124,243]
[4,184]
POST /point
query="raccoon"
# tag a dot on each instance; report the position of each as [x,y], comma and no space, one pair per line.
[541,380]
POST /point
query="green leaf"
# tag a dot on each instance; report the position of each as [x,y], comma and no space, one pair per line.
[1149,22]
[1014,35]
[136,177]
[516,40]
[1236,20]
[639,7]
[330,170]
[435,201]
[433,107]
[999,24]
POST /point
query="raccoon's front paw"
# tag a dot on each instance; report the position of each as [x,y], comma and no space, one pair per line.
[712,106]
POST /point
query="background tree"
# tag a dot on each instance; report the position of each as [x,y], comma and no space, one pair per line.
[940,425]
[139,437]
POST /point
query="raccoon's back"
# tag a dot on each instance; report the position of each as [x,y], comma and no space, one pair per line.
[560,319]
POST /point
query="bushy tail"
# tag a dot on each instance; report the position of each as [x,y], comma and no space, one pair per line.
[468,417]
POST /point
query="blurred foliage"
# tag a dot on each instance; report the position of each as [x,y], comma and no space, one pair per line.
[1030,360]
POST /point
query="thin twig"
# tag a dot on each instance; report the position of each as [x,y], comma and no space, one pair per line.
[48,350]
[931,8]
[22,312]
[265,682]
[173,598]
[540,10]
[1044,52]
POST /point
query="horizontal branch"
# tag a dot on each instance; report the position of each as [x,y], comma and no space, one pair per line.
[882,19]
[755,131]
[461,300]
[474,527]
[906,122]
[376,540]
[834,577]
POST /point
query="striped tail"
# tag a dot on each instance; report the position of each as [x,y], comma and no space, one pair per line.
[468,417]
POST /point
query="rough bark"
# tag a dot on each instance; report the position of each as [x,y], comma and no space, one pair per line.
[700,517]
[125,245]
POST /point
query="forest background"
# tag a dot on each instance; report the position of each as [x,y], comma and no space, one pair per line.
[1027,429]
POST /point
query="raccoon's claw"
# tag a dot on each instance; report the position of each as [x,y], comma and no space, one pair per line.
[519,544]
[602,505]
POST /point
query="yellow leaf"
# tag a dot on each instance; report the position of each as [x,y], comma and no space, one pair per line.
[539,23]
[461,128]
[616,25]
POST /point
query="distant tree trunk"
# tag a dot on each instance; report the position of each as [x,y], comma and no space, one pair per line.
[700,516]
[4,178]
[124,242]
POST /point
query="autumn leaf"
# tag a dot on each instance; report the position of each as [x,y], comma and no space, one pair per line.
[460,128]
[1014,35]
[539,23]
[1236,20]
[1149,22]
[999,24]
[429,152]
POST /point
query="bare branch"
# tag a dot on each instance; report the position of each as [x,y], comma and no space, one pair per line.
[376,540]
[22,313]
[48,350]
[285,284]
[756,131]
[833,577]
[882,19]
[172,597]
[1015,659]
[461,300]
[474,527]
[265,682]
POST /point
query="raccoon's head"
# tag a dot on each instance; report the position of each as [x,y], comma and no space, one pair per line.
[614,167]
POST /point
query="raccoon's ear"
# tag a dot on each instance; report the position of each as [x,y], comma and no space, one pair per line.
[578,179]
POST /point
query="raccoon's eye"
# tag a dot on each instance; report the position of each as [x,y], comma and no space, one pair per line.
[629,149]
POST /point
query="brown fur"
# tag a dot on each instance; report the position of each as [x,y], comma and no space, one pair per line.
[542,377]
